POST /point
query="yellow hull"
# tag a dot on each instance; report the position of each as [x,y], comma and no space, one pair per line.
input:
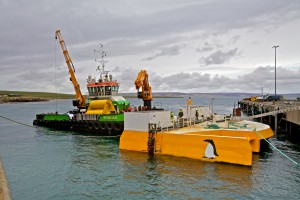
[215,145]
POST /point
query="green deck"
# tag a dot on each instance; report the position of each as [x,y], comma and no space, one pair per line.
[50,117]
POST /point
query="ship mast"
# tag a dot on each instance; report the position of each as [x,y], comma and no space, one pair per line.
[102,62]
[104,85]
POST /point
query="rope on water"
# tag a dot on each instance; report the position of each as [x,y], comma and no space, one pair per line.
[276,148]
[17,122]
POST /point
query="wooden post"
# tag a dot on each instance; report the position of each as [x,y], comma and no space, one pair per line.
[248,109]
[275,125]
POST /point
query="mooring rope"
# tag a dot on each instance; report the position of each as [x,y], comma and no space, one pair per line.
[277,148]
[16,122]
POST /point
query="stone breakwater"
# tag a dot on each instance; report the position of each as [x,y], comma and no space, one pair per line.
[7,99]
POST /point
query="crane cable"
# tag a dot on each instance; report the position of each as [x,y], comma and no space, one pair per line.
[277,148]
[16,122]
[55,63]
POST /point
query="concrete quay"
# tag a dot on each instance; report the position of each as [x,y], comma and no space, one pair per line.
[4,189]
[282,116]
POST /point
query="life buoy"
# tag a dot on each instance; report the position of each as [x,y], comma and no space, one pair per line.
[117,126]
[109,126]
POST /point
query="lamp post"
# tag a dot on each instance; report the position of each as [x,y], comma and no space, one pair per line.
[275,66]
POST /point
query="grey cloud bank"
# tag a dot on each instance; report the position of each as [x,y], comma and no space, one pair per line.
[186,46]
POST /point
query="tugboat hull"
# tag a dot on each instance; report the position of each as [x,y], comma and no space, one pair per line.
[111,125]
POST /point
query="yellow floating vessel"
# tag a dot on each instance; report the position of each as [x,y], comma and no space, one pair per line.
[217,140]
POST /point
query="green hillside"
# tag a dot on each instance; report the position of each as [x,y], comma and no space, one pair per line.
[47,95]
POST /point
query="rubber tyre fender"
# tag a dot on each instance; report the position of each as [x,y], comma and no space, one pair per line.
[118,126]
[85,124]
[109,126]
[90,125]
[103,126]
[96,125]
[81,124]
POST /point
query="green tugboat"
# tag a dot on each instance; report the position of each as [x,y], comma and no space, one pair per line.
[98,113]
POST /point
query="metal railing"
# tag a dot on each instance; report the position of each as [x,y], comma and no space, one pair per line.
[176,124]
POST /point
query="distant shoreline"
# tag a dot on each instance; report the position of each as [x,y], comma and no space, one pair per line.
[21,97]
[155,97]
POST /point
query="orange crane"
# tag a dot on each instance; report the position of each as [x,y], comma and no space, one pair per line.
[146,93]
[80,99]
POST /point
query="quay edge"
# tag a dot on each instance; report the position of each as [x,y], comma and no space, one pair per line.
[282,116]
[4,189]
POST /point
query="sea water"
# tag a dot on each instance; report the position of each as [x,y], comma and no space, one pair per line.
[41,163]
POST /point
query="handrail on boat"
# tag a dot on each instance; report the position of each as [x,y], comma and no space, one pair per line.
[175,124]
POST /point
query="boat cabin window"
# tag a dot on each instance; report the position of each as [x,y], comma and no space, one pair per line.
[103,90]
[90,90]
[107,90]
[114,88]
[93,91]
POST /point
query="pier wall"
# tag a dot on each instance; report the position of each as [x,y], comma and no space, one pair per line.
[293,116]
[282,116]
[4,189]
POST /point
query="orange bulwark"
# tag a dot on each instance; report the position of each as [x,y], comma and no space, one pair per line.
[230,142]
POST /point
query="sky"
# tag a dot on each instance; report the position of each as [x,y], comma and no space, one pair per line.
[192,46]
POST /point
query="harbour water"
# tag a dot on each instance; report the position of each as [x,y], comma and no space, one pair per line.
[46,164]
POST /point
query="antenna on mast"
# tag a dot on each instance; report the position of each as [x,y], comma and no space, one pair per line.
[100,68]
[103,55]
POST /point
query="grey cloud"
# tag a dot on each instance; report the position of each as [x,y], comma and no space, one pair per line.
[127,27]
[287,81]
[87,24]
[204,49]
[234,39]
[210,46]
[147,45]
[165,51]
[219,57]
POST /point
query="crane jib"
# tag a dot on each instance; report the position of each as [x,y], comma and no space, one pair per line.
[73,67]
[80,101]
